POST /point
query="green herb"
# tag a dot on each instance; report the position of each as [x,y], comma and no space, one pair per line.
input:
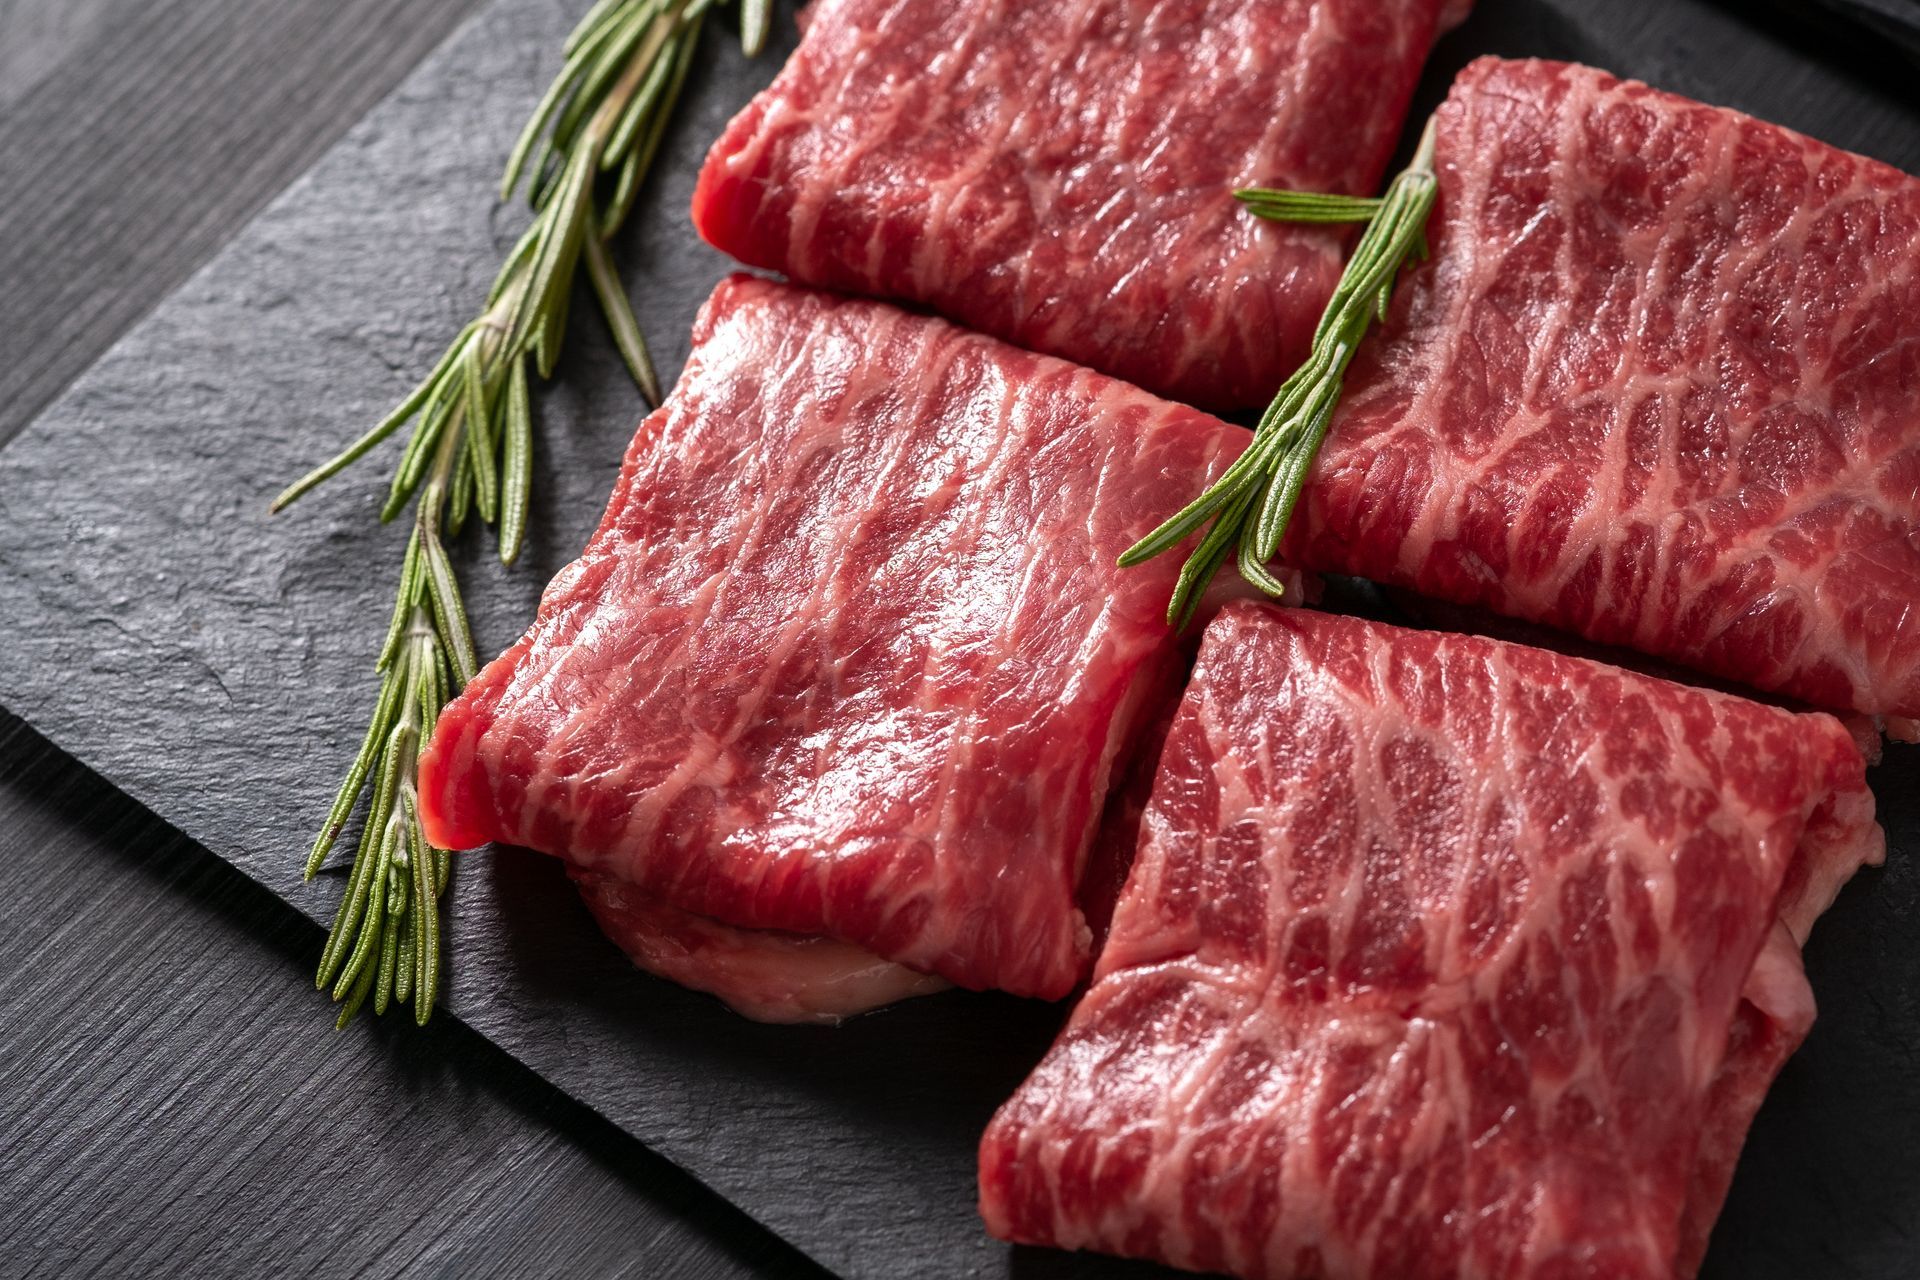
[1307,206]
[591,142]
[1251,503]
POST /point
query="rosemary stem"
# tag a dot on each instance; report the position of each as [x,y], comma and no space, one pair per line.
[433,497]
[1250,506]
[601,125]
[469,448]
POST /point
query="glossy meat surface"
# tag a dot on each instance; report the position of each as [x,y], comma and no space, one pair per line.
[1059,173]
[1440,957]
[849,654]
[1659,385]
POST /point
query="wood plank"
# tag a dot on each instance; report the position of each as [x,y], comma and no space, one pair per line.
[174,1103]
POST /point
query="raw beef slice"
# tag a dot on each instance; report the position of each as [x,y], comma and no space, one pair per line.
[1440,957]
[849,654]
[1659,385]
[1059,173]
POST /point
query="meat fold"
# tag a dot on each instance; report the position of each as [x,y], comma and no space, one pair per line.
[761,974]
[1059,173]
[849,655]
[1440,957]
[1658,385]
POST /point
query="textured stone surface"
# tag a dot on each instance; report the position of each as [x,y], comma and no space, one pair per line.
[213,662]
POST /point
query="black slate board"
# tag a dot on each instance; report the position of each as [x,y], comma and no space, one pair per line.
[212,662]
[1895,20]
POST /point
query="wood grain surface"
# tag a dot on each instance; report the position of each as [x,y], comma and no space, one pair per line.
[173,1104]
[171,1099]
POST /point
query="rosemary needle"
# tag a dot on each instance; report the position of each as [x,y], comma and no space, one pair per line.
[1248,508]
[469,452]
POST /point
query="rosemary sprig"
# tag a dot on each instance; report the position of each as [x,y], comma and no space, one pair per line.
[1250,505]
[470,452]
[385,940]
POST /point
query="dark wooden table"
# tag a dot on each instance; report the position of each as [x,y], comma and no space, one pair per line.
[135,136]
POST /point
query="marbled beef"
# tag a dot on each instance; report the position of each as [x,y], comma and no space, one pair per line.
[1659,385]
[849,655]
[1059,173]
[1441,957]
